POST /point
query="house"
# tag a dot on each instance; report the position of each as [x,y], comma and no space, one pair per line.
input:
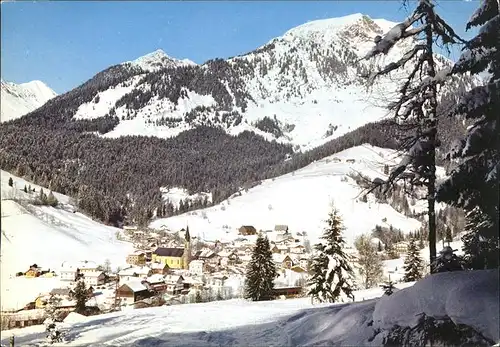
[352,161]
[175,284]
[288,292]
[275,249]
[136,258]
[173,257]
[132,291]
[297,249]
[247,230]
[208,256]
[336,160]
[70,271]
[156,282]
[401,247]
[134,273]
[217,280]
[34,271]
[192,282]
[159,268]
[304,263]
[281,228]
[283,260]
[228,257]
[23,319]
[196,267]
[94,278]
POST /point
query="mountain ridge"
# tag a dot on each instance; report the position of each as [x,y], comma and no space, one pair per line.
[20,99]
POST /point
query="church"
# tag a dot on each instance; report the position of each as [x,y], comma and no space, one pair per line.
[175,258]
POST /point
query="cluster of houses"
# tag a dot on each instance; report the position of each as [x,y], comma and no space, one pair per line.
[171,272]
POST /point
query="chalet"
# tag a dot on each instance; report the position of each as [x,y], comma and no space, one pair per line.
[132,291]
[351,161]
[175,284]
[217,280]
[173,257]
[136,258]
[298,249]
[192,282]
[94,278]
[159,268]
[247,230]
[196,267]
[281,228]
[401,247]
[304,263]
[288,292]
[275,249]
[298,269]
[336,160]
[23,318]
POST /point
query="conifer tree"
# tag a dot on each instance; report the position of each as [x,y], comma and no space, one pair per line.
[388,287]
[42,197]
[261,272]
[416,107]
[331,273]
[11,182]
[52,200]
[25,189]
[474,184]
[80,294]
[413,264]
[29,189]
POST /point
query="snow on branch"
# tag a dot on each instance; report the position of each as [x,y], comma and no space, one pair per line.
[397,33]
[476,101]
[487,10]
[395,65]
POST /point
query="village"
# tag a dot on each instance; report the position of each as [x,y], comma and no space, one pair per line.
[171,268]
[167,268]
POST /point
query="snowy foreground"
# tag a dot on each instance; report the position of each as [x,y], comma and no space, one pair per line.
[467,297]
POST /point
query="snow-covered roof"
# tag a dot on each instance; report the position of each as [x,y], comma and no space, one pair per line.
[135,286]
[156,278]
[93,273]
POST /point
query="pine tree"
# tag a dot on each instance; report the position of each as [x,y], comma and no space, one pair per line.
[331,273]
[388,287]
[473,184]
[42,197]
[379,246]
[198,298]
[11,182]
[80,294]
[29,189]
[369,261]
[413,264]
[52,200]
[416,107]
[261,272]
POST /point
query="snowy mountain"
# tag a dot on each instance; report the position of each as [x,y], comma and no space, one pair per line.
[302,200]
[20,99]
[304,88]
[158,60]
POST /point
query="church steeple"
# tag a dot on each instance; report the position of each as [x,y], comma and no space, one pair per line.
[187,249]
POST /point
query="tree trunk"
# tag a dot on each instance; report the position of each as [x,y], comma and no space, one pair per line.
[431,119]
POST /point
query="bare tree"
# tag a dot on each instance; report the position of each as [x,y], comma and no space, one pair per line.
[415,110]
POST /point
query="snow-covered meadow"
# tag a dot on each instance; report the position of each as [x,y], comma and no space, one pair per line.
[301,200]
[460,295]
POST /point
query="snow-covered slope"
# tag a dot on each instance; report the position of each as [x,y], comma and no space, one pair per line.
[48,236]
[301,200]
[292,322]
[307,83]
[20,99]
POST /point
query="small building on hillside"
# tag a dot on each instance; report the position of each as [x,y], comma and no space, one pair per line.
[132,291]
[283,261]
[208,256]
[134,273]
[247,230]
[136,258]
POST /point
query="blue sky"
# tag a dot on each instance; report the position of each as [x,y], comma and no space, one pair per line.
[66,43]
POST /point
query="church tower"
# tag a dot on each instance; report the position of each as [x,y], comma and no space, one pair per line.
[187,249]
